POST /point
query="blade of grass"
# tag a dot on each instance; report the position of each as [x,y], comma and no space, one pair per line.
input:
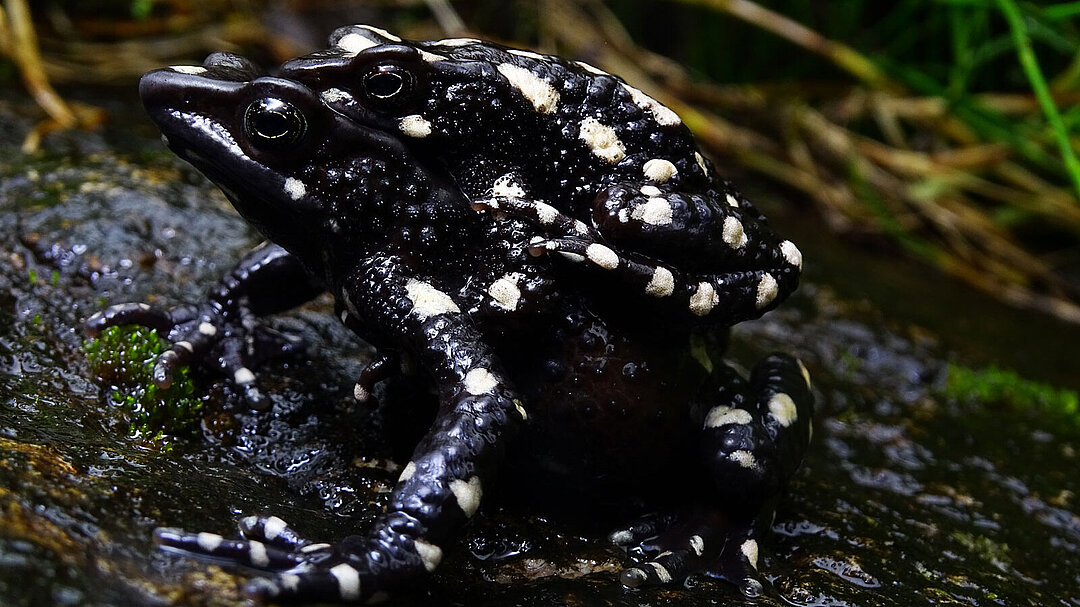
[1030,64]
[1064,10]
[961,23]
[988,124]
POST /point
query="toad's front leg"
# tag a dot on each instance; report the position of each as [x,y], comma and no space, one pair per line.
[439,489]
[691,255]
[222,332]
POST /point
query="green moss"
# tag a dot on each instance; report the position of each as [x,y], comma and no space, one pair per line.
[984,548]
[123,359]
[993,385]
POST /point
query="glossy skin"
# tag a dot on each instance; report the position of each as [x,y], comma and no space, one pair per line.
[542,242]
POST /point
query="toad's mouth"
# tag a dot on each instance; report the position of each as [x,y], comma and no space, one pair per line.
[190,109]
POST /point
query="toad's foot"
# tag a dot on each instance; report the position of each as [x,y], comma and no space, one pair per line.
[670,548]
[223,332]
[230,344]
[357,570]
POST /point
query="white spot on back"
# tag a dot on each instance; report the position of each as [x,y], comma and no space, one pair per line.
[650,190]
[783,410]
[592,69]
[749,549]
[381,32]
[431,57]
[208,541]
[791,253]
[701,162]
[480,381]
[272,527]
[732,202]
[733,233]
[415,125]
[660,112]
[721,415]
[661,284]
[529,54]
[505,291]
[430,554]
[295,188]
[767,290]
[538,91]
[602,140]
[659,170]
[348,581]
[662,573]
[257,554]
[704,299]
[452,42]
[602,256]
[468,494]
[427,300]
[333,95]
[207,329]
[805,373]
[506,186]
[697,544]
[546,213]
[243,375]
[744,458]
[360,393]
[188,69]
[355,43]
[407,472]
[657,211]
[520,409]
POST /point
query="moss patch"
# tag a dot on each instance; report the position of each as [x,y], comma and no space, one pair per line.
[123,359]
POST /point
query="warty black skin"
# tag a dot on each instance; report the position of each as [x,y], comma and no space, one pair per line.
[543,278]
[486,132]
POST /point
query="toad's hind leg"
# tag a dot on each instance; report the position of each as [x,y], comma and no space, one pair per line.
[753,438]
[437,492]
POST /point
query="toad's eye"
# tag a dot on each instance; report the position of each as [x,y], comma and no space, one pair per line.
[387,82]
[271,122]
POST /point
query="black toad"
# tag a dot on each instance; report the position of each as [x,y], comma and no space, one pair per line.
[543,241]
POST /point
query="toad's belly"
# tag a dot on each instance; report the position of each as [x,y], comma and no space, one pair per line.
[608,415]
